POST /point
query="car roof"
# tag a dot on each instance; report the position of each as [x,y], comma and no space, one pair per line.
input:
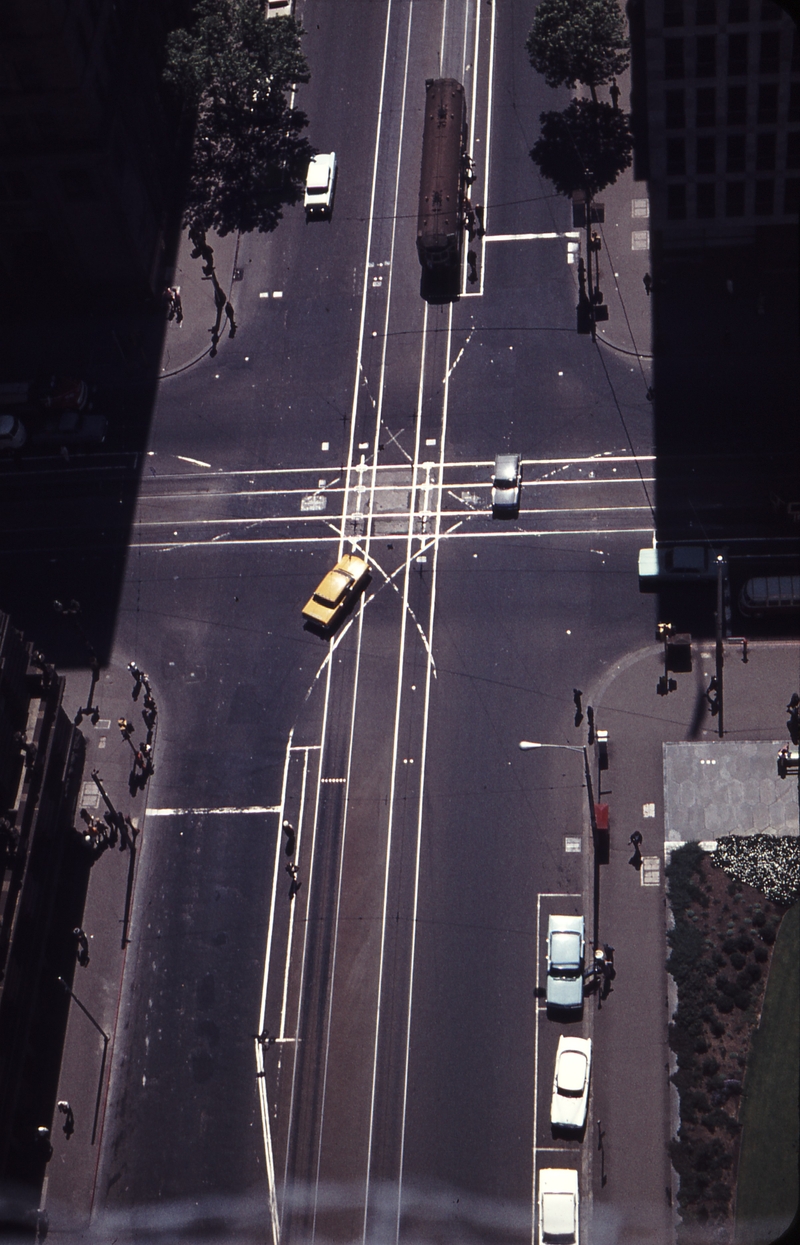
[571,1070]
[506,460]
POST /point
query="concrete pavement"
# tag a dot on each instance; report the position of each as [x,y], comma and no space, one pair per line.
[69,1189]
[205,327]
[635,1109]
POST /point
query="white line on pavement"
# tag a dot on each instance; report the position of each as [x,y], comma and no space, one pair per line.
[205,812]
[197,462]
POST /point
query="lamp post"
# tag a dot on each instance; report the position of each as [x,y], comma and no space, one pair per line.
[526,745]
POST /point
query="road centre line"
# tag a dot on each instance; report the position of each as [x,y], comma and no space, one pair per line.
[487,143]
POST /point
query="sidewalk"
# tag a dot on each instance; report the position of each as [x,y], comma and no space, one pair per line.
[675,793]
[69,1187]
[192,338]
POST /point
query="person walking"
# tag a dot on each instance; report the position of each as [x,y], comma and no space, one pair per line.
[83,946]
[69,1120]
[615,93]
[647,281]
[291,838]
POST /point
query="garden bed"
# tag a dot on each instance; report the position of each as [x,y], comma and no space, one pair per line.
[721,946]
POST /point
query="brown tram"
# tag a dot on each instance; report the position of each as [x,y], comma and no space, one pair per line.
[442,189]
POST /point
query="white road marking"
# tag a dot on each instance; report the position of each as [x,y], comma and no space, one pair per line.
[197,462]
[528,237]
[206,812]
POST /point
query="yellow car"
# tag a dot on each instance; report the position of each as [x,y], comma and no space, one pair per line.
[336,590]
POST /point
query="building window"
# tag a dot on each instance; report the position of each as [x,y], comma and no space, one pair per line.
[673,12]
[737,105]
[707,56]
[739,10]
[767,103]
[706,200]
[765,152]
[734,198]
[794,102]
[676,202]
[793,149]
[77,185]
[673,58]
[676,157]
[765,198]
[706,154]
[791,196]
[706,13]
[734,162]
[676,115]
[706,106]
[769,59]
[737,55]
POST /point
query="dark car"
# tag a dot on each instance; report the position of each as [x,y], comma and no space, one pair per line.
[70,428]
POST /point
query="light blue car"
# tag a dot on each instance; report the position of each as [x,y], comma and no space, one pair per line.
[565,951]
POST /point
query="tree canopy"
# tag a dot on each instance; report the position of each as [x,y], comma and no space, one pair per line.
[574,41]
[234,67]
[585,147]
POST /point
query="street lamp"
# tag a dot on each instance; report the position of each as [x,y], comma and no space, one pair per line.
[527,744]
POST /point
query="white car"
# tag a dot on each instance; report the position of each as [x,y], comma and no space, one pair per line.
[558,1206]
[320,186]
[565,949]
[571,1082]
[12,433]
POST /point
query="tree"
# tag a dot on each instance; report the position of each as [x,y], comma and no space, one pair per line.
[574,41]
[234,67]
[585,147]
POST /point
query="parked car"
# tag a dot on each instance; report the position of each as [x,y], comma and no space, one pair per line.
[679,564]
[571,1082]
[320,186]
[337,589]
[565,950]
[506,484]
[12,432]
[558,1206]
[59,393]
[71,428]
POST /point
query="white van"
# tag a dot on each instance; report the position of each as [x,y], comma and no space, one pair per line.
[320,186]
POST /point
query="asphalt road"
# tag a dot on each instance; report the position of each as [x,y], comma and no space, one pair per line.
[409,1086]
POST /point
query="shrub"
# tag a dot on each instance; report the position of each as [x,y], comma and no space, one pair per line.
[770,863]
[724,1003]
[768,933]
[738,960]
[710,1066]
[725,985]
[744,942]
[729,946]
[744,979]
[743,999]
[720,1192]
[719,959]
[761,954]
[717,1028]
[701,1046]
[759,917]
[753,972]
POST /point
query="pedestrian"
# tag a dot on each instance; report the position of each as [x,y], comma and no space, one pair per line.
[178,306]
[636,839]
[472,260]
[712,696]
[292,870]
[290,838]
[83,946]
[576,696]
[135,671]
[125,727]
[794,703]
[590,720]
[647,281]
[69,1121]
[266,1039]
[615,93]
